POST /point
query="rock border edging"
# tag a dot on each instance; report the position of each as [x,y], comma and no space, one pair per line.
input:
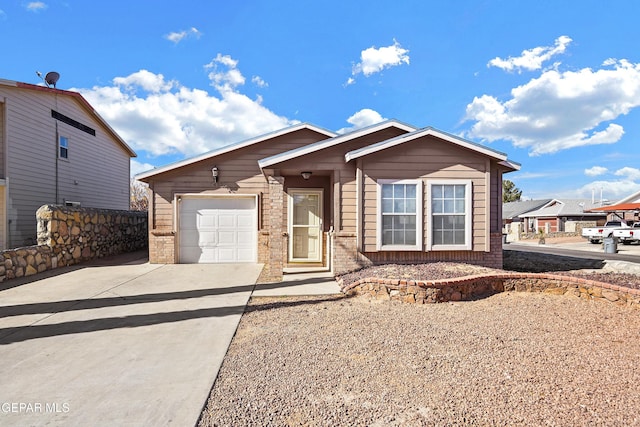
[469,287]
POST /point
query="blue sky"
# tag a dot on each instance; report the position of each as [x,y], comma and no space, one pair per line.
[554,84]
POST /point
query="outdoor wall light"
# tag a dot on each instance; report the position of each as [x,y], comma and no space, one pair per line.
[306,175]
[215,173]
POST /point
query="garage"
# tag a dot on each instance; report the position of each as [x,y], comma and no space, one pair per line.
[217,229]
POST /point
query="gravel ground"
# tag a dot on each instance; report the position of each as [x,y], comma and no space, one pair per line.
[517,359]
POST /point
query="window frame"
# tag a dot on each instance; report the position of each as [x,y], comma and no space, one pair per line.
[468,223]
[61,147]
[419,215]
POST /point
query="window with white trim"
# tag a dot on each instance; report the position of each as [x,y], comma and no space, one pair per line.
[450,214]
[399,215]
[63,147]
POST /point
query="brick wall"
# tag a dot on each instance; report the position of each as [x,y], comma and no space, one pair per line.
[344,255]
[162,247]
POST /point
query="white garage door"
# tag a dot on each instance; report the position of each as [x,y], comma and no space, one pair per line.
[217,230]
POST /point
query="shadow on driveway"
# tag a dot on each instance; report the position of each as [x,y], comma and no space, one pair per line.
[22,333]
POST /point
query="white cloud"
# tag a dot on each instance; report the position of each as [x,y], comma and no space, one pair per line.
[595,171]
[224,74]
[629,173]
[373,60]
[164,117]
[257,80]
[36,6]
[146,81]
[138,167]
[528,175]
[531,59]
[177,37]
[560,110]
[611,190]
[361,119]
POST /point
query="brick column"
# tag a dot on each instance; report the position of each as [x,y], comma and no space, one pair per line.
[345,256]
[274,263]
[162,247]
[495,258]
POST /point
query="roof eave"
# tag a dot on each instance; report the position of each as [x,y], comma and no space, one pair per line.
[510,165]
[232,147]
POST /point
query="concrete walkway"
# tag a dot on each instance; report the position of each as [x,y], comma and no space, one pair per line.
[297,284]
[120,343]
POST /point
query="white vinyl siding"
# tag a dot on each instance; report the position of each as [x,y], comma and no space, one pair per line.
[96,174]
[399,215]
[449,207]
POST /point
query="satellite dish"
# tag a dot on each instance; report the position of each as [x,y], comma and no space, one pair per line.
[52,78]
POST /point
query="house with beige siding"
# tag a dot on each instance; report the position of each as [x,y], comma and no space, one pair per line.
[308,197]
[55,149]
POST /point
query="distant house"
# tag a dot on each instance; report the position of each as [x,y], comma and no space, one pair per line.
[308,196]
[562,215]
[627,208]
[511,211]
[55,149]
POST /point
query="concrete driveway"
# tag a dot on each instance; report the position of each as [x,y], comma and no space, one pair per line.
[119,342]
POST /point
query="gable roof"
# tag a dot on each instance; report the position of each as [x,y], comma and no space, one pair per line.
[512,210]
[233,147]
[336,140]
[633,198]
[564,207]
[80,99]
[430,131]
[332,140]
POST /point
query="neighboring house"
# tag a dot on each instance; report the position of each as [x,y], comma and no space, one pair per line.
[627,208]
[511,211]
[559,215]
[54,149]
[512,224]
[307,196]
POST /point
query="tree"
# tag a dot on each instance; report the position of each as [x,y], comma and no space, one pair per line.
[510,193]
[138,192]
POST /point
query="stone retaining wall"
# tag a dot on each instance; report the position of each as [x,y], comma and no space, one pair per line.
[471,287]
[68,236]
[536,236]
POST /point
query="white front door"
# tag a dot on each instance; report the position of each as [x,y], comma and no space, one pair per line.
[305,225]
